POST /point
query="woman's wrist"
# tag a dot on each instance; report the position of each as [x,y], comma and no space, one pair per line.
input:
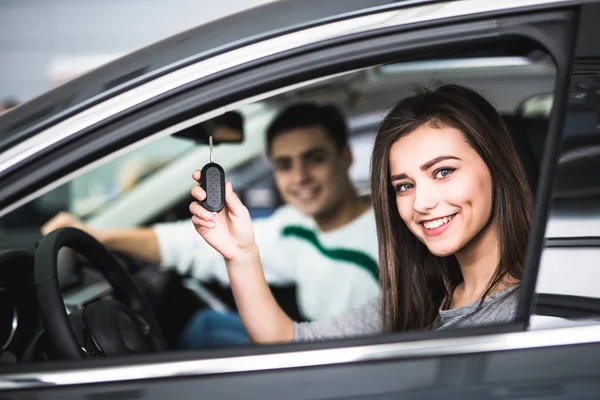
[246,256]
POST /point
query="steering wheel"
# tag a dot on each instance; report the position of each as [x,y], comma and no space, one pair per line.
[105,327]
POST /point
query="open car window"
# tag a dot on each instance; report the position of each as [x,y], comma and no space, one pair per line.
[160,170]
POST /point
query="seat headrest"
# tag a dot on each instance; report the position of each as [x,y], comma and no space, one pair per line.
[525,133]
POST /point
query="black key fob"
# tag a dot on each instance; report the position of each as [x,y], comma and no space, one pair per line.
[213,183]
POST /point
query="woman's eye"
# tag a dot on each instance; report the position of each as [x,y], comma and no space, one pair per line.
[443,173]
[403,187]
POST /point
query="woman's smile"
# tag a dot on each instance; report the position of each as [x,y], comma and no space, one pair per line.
[435,227]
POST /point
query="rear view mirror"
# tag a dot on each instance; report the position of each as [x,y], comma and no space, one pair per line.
[226,128]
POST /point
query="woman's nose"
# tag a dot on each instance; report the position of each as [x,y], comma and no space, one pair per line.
[425,198]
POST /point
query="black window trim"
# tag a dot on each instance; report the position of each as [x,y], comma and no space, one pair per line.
[572,242]
[560,44]
[567,306]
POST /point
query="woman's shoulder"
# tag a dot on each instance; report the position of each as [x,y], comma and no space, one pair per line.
[496,308]
[364,320]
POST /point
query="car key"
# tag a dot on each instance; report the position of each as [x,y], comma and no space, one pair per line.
[213,183]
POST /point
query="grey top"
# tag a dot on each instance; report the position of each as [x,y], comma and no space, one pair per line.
[496,308]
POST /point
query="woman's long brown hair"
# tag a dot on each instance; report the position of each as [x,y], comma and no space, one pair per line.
[414,281]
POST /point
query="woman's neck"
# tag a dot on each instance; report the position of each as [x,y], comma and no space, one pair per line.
[478,262]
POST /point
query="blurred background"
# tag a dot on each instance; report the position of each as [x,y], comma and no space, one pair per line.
[44,42]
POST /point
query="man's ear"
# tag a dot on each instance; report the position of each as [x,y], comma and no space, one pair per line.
[347,155]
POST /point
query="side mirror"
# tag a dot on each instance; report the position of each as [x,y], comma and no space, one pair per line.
[226,128]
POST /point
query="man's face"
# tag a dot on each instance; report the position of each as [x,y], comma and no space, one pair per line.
[311,172]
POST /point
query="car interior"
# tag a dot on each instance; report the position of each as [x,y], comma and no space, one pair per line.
[152,183]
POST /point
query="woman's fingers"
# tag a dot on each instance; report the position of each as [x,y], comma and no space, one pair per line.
[233,203]
[196,175]
[199,222]
[201,212]
[198,193]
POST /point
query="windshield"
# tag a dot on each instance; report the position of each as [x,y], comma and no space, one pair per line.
[91,192]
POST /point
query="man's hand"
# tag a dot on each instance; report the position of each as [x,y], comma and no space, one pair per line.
[136,242]
[65,219]
[230,231]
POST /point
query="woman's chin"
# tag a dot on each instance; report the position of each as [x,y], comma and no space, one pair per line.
[442,251]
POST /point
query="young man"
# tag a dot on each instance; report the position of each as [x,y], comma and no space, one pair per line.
[323,240]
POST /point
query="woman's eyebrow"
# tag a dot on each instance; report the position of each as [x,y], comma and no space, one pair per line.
[398,177]
[436,160]
[425,166]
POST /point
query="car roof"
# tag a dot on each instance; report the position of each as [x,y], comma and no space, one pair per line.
[172,53]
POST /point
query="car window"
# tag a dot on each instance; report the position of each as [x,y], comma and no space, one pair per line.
[378,88]
[573,230]
[567,281]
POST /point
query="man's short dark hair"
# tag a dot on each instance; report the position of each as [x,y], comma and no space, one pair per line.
[306,115]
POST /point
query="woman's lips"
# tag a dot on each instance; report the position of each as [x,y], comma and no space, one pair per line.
[438,226]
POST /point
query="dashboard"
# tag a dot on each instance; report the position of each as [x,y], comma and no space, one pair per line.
[20,324]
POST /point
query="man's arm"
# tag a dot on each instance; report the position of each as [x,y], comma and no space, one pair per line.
[141,242]
[177,245]
[173,245]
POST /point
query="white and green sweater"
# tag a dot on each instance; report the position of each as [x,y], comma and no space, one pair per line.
[334,271]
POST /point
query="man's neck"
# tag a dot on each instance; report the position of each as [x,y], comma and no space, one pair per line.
[350,208]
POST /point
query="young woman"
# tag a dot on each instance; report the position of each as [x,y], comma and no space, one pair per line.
[453,210]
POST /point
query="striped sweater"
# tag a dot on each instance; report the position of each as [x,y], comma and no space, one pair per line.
[334,271]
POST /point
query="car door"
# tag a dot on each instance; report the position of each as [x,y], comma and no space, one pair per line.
[414,364]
